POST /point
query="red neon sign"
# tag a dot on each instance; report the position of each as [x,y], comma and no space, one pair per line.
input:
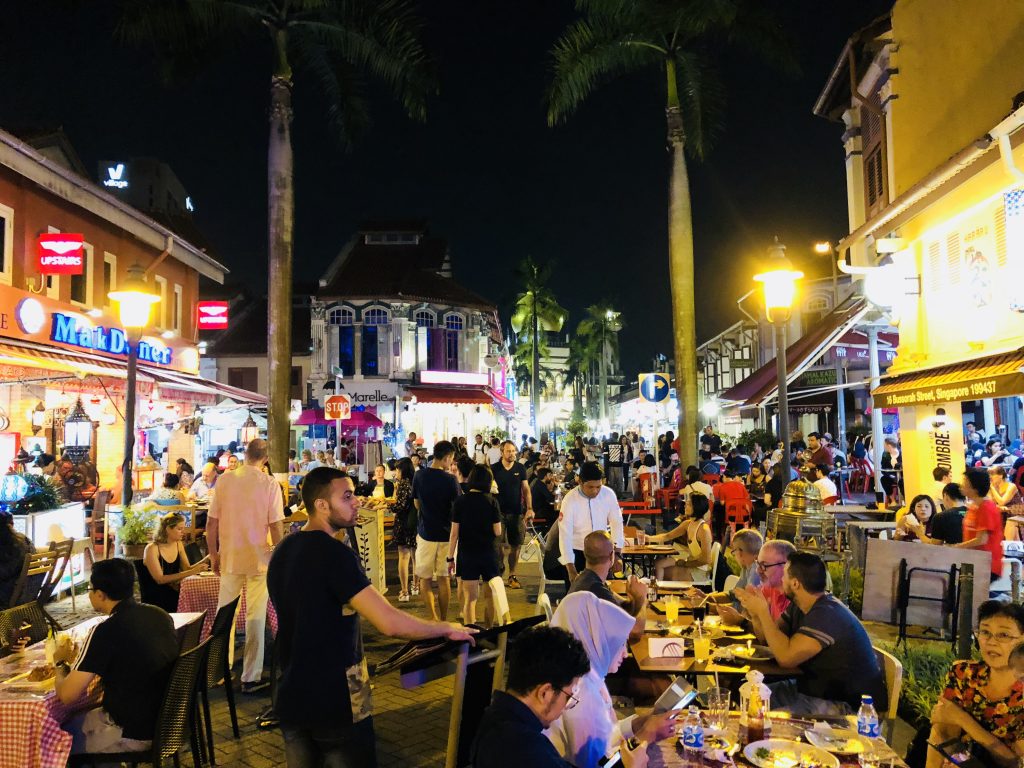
[212,315]
[60,253]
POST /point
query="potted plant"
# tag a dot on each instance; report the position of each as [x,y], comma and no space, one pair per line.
[136,531]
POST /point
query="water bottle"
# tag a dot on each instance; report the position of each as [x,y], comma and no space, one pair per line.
[693,740]
[867,718]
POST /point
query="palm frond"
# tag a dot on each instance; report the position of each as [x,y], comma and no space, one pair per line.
[384,39]
[701,97]
[588,54]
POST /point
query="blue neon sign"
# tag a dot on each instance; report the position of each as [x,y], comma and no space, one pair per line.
[114,341]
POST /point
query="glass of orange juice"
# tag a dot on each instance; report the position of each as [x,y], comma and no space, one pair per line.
[671,604]
[702,646]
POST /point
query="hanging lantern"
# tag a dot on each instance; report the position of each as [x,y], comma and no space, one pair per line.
[250,430]
[38,417]
[77,433]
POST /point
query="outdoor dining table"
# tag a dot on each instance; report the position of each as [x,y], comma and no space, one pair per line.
[201,593]
[31,722]
[640,560]
[669,752]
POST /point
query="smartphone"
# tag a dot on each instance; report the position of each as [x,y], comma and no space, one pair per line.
[676,697]
[612,760]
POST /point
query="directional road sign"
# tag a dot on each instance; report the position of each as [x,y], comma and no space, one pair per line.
[654,387]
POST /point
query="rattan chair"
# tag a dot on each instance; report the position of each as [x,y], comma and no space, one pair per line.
[31,613]
[191,633]
[175,726]
[218,667]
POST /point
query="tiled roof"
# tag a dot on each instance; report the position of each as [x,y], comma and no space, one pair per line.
[247,330]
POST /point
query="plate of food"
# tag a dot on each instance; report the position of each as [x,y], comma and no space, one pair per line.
[39,679]
[751,652]
[839,741]
[782,753]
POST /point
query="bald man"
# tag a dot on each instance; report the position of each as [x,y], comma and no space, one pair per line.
[203,484]
[600,553]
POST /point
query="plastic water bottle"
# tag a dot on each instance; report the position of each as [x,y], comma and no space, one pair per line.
[693,740]
[867,718]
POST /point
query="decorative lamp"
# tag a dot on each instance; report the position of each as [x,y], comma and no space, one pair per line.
[250,430]
[778,283]
[38,417]
[77,433]
[144,475]
[134,299]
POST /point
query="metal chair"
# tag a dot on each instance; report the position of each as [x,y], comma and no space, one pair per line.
[893,684]
[217,668]
[31,613]
[175,726]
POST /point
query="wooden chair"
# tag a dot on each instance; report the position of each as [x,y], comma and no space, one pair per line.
[61,561]
[34,572]
[893,684]
[96,523]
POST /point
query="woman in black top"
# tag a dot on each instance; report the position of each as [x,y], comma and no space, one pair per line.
[13,548]
[476,527]
[404,532]
[166,564]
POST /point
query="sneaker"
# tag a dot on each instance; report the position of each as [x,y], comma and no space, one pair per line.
[513,583]
[415,590]
[255,687]
[403,597]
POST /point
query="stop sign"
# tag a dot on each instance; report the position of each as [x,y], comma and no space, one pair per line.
[338,407]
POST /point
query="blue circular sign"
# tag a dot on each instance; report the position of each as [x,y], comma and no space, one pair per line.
[654,387]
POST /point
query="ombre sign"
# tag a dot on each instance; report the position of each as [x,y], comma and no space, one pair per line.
[65,330]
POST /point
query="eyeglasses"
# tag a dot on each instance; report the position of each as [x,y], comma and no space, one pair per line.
[765,566]
[998,637]
[570,698]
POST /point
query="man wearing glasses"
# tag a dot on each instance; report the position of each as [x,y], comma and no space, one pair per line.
[770,563]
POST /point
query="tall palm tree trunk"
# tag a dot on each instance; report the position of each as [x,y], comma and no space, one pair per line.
[281,204]
[602,396]
[680,247]
[534,393]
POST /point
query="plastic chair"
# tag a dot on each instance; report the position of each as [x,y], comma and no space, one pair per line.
[830,500]
[862,473]
[730,582]
[31,613]
[646,484]
[217,668]
[716,548]
[737,514]
[544,604]
[712,479]
[190,634]
[175,726]
[893,684]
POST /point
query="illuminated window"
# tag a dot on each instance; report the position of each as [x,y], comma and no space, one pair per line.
[424,318]
[341,316]
[177,308]
[6,243]
[376,316]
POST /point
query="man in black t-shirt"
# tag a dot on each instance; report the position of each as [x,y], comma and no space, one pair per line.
[131,652]
[434,490]
[948,525]
[320,591]
[542,492]
[510,477]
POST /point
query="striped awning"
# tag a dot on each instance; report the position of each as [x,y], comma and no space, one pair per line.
[978,379]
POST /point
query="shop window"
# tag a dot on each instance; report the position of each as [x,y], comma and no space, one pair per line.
[244,378]
[341,316]
[376,316]
[81,285]
[6,243]
[347,349]
[371,336]
[453,324]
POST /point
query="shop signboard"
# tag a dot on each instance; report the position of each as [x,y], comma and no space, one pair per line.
[982,388]
[60,253]
[372,394]
[338,407]
[28,317]
[211,315]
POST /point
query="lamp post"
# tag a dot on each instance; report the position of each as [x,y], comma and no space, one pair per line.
[134,302]
[778,283]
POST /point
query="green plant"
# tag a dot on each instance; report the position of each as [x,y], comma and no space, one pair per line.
[577,427]
[925,666]
[762,437]
[42,494]
[856,601]
[136,526]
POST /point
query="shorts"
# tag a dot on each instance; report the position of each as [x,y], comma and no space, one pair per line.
[513,529]
[431,559]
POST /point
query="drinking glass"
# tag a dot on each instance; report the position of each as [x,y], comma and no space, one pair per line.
[671,609]
[699,611]
[702,647]
[641,538]
[718,708]
[871,758]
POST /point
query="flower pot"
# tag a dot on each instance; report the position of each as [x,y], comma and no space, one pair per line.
[133,551]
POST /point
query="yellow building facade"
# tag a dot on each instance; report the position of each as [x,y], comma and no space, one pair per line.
[931,97]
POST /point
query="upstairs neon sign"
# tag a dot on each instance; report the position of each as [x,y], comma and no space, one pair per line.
[114,341]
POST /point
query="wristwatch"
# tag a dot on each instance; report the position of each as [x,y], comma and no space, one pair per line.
[64,667]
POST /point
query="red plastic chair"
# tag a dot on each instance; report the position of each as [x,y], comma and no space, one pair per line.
[711,479]
[737,514]
[862,473]
[646,484]
[830,500]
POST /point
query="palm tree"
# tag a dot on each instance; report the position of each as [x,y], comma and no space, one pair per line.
[599,328]
[675,39]
[332,43]
[536,312]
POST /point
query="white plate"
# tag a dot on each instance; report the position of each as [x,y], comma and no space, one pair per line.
[839,741]
[786,754]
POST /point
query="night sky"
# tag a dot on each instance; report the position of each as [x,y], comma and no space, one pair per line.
[484,170]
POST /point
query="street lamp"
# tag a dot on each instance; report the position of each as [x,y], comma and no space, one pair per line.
[134,303]
[250,430]
[778,283]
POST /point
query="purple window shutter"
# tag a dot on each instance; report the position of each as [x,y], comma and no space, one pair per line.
[437,349]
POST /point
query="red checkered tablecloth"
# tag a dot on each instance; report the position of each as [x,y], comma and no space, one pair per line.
[32,736]
[200,593]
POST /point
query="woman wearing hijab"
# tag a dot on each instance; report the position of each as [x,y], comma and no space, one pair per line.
[589,731]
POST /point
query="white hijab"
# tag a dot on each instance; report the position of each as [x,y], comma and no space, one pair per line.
[584,734]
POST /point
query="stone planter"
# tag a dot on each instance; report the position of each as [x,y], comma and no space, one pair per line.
[133,551]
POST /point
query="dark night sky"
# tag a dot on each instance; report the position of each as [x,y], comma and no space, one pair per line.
[485,170]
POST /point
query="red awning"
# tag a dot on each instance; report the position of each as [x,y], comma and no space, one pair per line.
[759,386]
[471,395]
[503,403]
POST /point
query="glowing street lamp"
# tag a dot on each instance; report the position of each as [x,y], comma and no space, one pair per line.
[778,283]
[134,303]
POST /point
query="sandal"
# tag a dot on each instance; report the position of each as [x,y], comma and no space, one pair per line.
[513,583]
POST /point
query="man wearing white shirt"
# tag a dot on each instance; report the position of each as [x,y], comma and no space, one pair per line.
[591,506]
[494,452]
[824,483]
[480,451]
